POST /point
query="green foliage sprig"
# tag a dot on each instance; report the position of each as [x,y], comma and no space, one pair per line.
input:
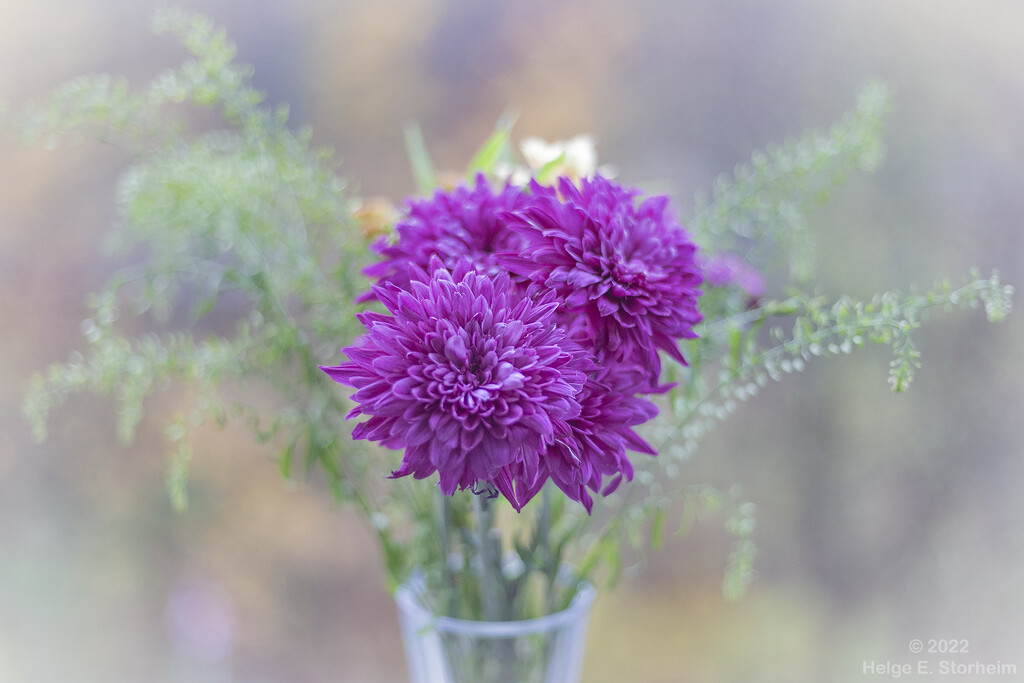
[249,221]
[760,210]
[246,218]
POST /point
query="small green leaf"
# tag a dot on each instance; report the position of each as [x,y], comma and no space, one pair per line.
[489,154]
[177,477]
[546,173]
[419,159]
[613,559]
[658,528]
[204,307]
[735,349]
[286,460]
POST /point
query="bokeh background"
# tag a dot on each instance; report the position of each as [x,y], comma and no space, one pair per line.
[882,518]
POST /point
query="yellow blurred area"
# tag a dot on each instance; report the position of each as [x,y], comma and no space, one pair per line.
[882,518]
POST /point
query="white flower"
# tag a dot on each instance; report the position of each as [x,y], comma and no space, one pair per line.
[575,158]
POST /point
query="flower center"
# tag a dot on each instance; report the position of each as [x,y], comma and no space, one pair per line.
[472,380]
[631,272]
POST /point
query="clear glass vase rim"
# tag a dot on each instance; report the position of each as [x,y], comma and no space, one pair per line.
[406,597]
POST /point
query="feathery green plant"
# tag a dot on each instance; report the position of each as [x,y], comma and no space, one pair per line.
[248,218]
[251,222]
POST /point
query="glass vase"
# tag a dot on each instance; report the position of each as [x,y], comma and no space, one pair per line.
[441,649]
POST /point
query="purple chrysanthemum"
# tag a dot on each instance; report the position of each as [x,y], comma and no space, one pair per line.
[452,225]
[601,435]
[472,380]
[629,268]
[731,270]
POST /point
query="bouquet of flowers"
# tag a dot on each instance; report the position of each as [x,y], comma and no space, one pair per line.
[507,347]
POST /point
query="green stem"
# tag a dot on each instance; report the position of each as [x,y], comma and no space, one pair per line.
[489,566]
[543,541]
[444,515]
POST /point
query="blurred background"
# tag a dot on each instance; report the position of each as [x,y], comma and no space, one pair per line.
[882,518]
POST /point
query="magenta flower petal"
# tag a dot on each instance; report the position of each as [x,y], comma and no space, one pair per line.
[451,225]
[628,268]
[601,434]
[731,270]
[522,328]
[474,381]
